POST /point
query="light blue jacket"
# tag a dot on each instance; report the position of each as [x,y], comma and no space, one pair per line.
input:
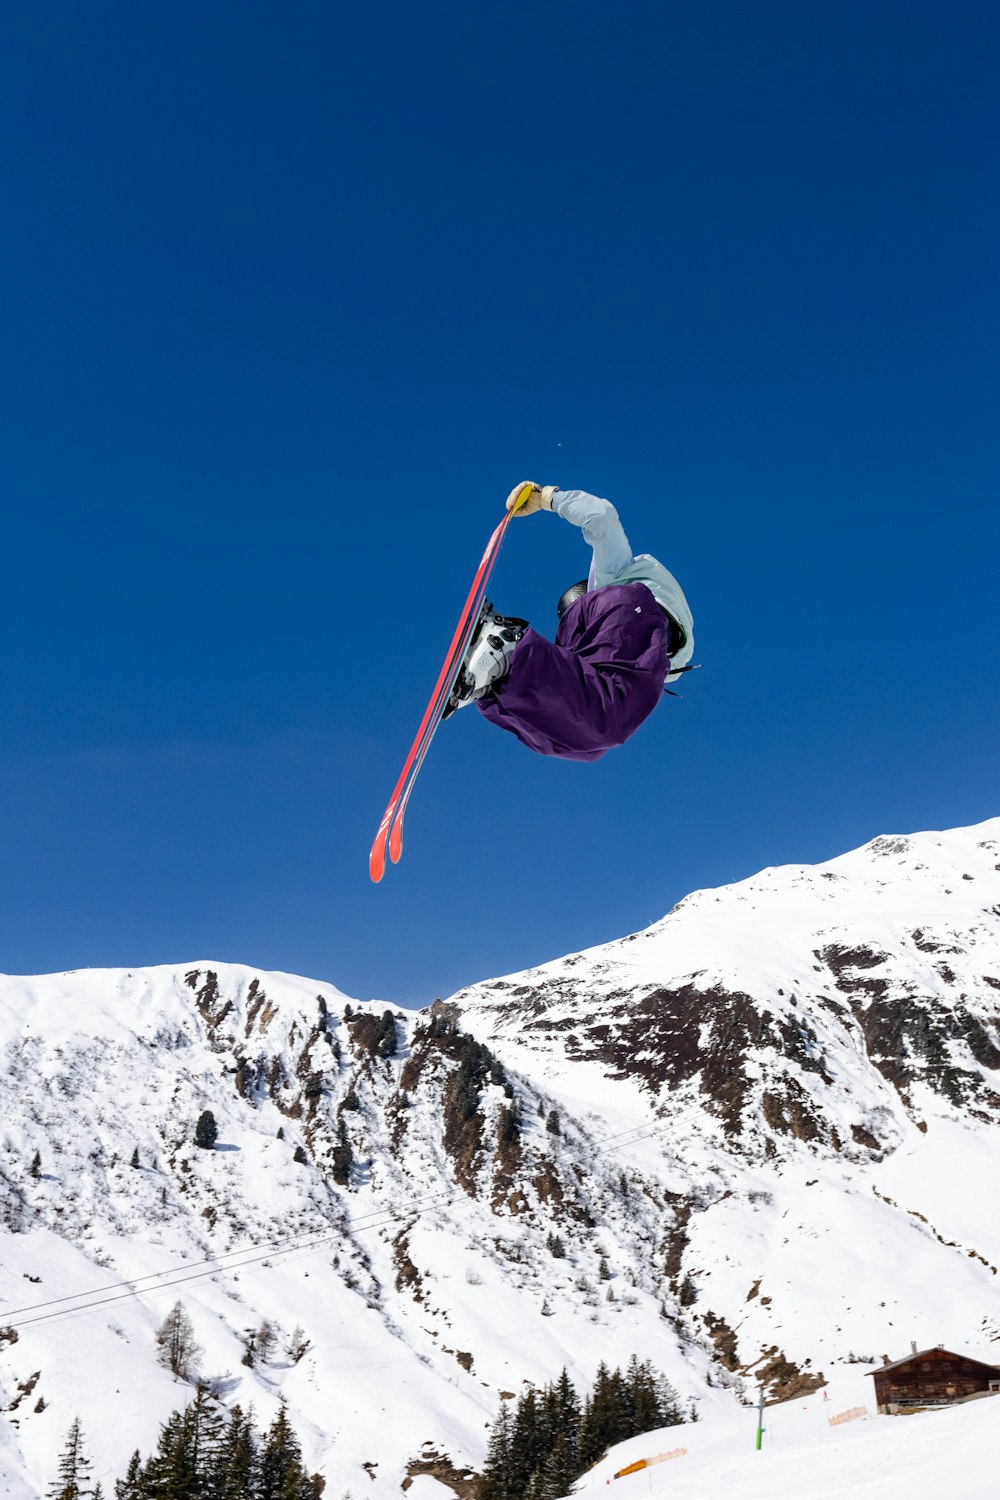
[613,562]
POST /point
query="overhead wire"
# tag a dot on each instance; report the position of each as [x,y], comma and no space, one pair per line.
[251,1254]
[306,1241]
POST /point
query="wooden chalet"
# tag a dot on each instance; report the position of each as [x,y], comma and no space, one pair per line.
[931,1377]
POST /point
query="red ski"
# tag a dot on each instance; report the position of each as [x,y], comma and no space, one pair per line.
[390,831]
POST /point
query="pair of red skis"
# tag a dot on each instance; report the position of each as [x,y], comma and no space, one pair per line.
[390,831]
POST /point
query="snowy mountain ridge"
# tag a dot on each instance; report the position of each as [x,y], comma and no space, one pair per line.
[748,1144]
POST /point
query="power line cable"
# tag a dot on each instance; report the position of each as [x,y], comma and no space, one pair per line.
[86,1301]
[89,1299]
[213,1260]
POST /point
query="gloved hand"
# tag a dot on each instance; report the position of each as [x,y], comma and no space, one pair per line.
[539,499]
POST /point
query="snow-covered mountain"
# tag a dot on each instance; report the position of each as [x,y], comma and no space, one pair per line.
[757,1141]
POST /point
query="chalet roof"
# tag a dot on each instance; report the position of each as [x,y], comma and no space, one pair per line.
[909,1359]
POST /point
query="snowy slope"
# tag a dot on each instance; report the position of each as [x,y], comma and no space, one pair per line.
[423,1279]
[922,1457]
[818,1049]
[776,1113]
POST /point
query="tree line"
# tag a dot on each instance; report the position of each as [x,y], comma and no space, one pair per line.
[204,1453]
[540,1447]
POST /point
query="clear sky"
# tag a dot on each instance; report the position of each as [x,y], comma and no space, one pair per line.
[293,294]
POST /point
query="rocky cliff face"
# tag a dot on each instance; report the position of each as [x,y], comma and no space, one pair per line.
[833,1028]
[822,1005]
[380,1181]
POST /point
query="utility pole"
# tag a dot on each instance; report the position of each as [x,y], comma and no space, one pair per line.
[760,1420]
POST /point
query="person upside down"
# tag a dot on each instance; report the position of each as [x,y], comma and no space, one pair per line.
[623,632]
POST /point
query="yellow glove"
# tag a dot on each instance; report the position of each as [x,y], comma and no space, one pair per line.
[539,499]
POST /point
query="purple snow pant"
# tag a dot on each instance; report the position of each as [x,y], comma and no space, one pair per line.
[593,687]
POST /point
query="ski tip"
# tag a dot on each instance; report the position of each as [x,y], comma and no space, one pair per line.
[376,859]
[396,842]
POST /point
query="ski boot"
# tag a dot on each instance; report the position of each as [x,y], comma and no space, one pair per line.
[487,660]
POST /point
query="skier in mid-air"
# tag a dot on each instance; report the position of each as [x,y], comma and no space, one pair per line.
[623,632]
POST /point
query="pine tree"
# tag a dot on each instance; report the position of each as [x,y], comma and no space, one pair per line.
[671,1410]
[236,1464]
[387,1035]
[618,1414]
[552,1122]
[549,1425]
[167,1474]
[590,1446]
[186,1460]
[298,1345]
[206,1132]
[508,1124]
[130,1488]
[568,1417]
[606,1421]
[179,1349]
[497,1482]
[205,1433]
[535,1488]
[558,1473]
[36,1165]
[249,1347]
[135,1162]
[528,1440]
[267,1338]
[280,1472]
[342,1156]
[74,1468]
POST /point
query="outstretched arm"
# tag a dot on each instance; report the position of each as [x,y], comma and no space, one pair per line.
[601,527]
[597,519]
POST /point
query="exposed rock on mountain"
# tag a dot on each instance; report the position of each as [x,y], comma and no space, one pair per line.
[747,1144]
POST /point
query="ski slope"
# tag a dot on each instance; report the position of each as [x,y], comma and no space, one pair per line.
[949,1452]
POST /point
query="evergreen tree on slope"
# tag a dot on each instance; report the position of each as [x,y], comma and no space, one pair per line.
[568,1414]
[74,1469]
[237,1461]
[498,1470]
[528,1444]
[186,1460]
[130,1488]
[179,1349]
[280,1473]
[558,1472]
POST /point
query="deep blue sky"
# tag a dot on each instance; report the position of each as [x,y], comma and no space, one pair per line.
[293,294]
